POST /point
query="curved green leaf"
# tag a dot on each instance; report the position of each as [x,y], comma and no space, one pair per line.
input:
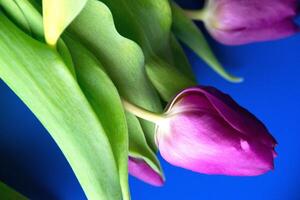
[137,136]
[190,35]
[57,15]
[148,22]
[122,58]
[180,61]
[8,193]
[166,79]
[13,8]
[65,54]
[40,78]
[105,100]
[25,15]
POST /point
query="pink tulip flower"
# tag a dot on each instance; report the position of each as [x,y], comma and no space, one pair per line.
[206,131]
[235,22]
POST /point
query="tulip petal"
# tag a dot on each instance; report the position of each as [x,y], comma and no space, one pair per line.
[274,31]
[237,22]
[238,117]
[206,131]
[190,100]
[207,144]
[234,14]
[140,169]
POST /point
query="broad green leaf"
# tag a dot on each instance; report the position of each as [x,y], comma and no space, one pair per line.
[106,102]
[144,154]
[57,15]
[64,52]
[13,8]
[37,74]
[7,193]
[122,58]
[166,79]
[190,35]
[180,61]
[148,22]
[25,15]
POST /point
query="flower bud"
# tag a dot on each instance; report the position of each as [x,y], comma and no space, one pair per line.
[205,131]
[236,22]
[140,169]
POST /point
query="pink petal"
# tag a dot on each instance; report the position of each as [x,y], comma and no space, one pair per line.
[140,169]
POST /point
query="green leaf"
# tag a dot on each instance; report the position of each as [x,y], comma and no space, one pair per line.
[166,79]
[13,8]
[57,15]
[122,58]
[148,22]
[64,52]
[40,78]
[106,102]
[137,136]
[8,193]
[180,61]
[25,15]
[190,35]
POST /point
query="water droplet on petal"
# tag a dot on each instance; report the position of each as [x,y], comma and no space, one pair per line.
[245,145]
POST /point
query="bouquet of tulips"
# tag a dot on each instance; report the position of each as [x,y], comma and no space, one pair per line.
[111,83]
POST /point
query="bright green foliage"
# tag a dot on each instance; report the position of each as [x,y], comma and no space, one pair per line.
[179,59]
[124,62]
[40,78]
[98,52]
[122,58]
[105,100]
[138,145]
[25,15]
[148,22]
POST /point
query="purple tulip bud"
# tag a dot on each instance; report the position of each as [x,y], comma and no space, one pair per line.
[236,22]
[206,131]
[140,169]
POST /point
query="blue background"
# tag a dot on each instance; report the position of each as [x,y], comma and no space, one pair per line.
[31,162]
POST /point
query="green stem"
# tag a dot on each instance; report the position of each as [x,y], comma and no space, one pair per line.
[142,113]
[196,14]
